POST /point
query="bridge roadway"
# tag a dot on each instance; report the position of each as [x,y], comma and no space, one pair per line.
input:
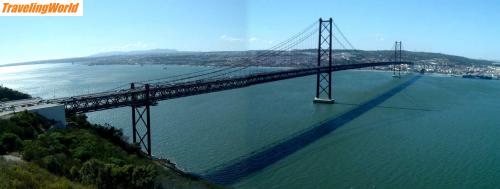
[164,91]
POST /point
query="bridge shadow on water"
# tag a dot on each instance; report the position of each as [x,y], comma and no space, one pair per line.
[392,107]
[235,171]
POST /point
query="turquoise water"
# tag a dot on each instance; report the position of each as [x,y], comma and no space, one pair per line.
[438,132]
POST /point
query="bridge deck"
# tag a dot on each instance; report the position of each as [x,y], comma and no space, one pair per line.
[165,91]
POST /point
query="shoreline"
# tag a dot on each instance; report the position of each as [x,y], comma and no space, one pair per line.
[433,74]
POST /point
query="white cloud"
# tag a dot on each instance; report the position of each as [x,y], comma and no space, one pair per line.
[229,38]
[258,40]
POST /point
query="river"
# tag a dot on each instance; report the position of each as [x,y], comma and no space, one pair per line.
[435,132]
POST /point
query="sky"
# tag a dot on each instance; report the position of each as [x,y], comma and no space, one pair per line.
[459,27]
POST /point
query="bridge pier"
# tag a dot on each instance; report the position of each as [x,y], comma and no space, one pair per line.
[324,80]
[141,117]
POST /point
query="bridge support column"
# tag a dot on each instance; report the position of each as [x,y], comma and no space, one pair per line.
[141,120]
[397,58]
[400,56]
[324,79]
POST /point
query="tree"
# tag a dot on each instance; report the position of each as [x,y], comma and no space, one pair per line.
[94,172]
[10,142]
[143,176]
[2,150]
[104,175]
[33,151]
[9,94]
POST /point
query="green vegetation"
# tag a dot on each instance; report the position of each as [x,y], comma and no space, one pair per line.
[9,142]
[21,175]
[12,132]
[21,126]
[7,94]
[84,155]
[90,154]
[80,153]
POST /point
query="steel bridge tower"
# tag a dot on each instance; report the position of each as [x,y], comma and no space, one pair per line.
[141,118]
[324,80]
[398,57]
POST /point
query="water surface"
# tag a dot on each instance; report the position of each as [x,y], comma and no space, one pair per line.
[435,133]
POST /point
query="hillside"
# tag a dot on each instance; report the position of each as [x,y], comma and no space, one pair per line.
[84,155]
[302,57]
[28,175]
[9,94]
[418,57]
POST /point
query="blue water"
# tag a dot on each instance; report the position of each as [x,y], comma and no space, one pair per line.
[242,168]
[413,132]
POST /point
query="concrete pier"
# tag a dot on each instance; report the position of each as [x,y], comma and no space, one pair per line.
[324,101]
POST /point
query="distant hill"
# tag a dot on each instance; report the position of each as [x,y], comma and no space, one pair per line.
[451,59]
[141,52]
[225,58]
[418,57]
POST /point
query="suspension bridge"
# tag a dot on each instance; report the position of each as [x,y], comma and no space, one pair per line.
[309,52]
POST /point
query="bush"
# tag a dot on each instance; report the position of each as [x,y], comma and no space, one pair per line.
[95,172]
[55,163]
[103,175]
[122,176]
[7,94]
[112,134]
[34,151]
[20,175]
[25,125]
[74,173]
[52,141]
[10,142]
[91,154]
[84,152]
[2,150]
[143,176]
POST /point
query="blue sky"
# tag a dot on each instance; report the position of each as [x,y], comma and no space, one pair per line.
[467,28]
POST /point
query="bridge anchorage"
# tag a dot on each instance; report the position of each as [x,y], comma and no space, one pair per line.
[324,79]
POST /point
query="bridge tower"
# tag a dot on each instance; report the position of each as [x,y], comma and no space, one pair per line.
[324,80]
[141,118]
[398,57]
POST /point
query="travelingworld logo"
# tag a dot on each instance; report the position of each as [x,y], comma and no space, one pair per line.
[41,7]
